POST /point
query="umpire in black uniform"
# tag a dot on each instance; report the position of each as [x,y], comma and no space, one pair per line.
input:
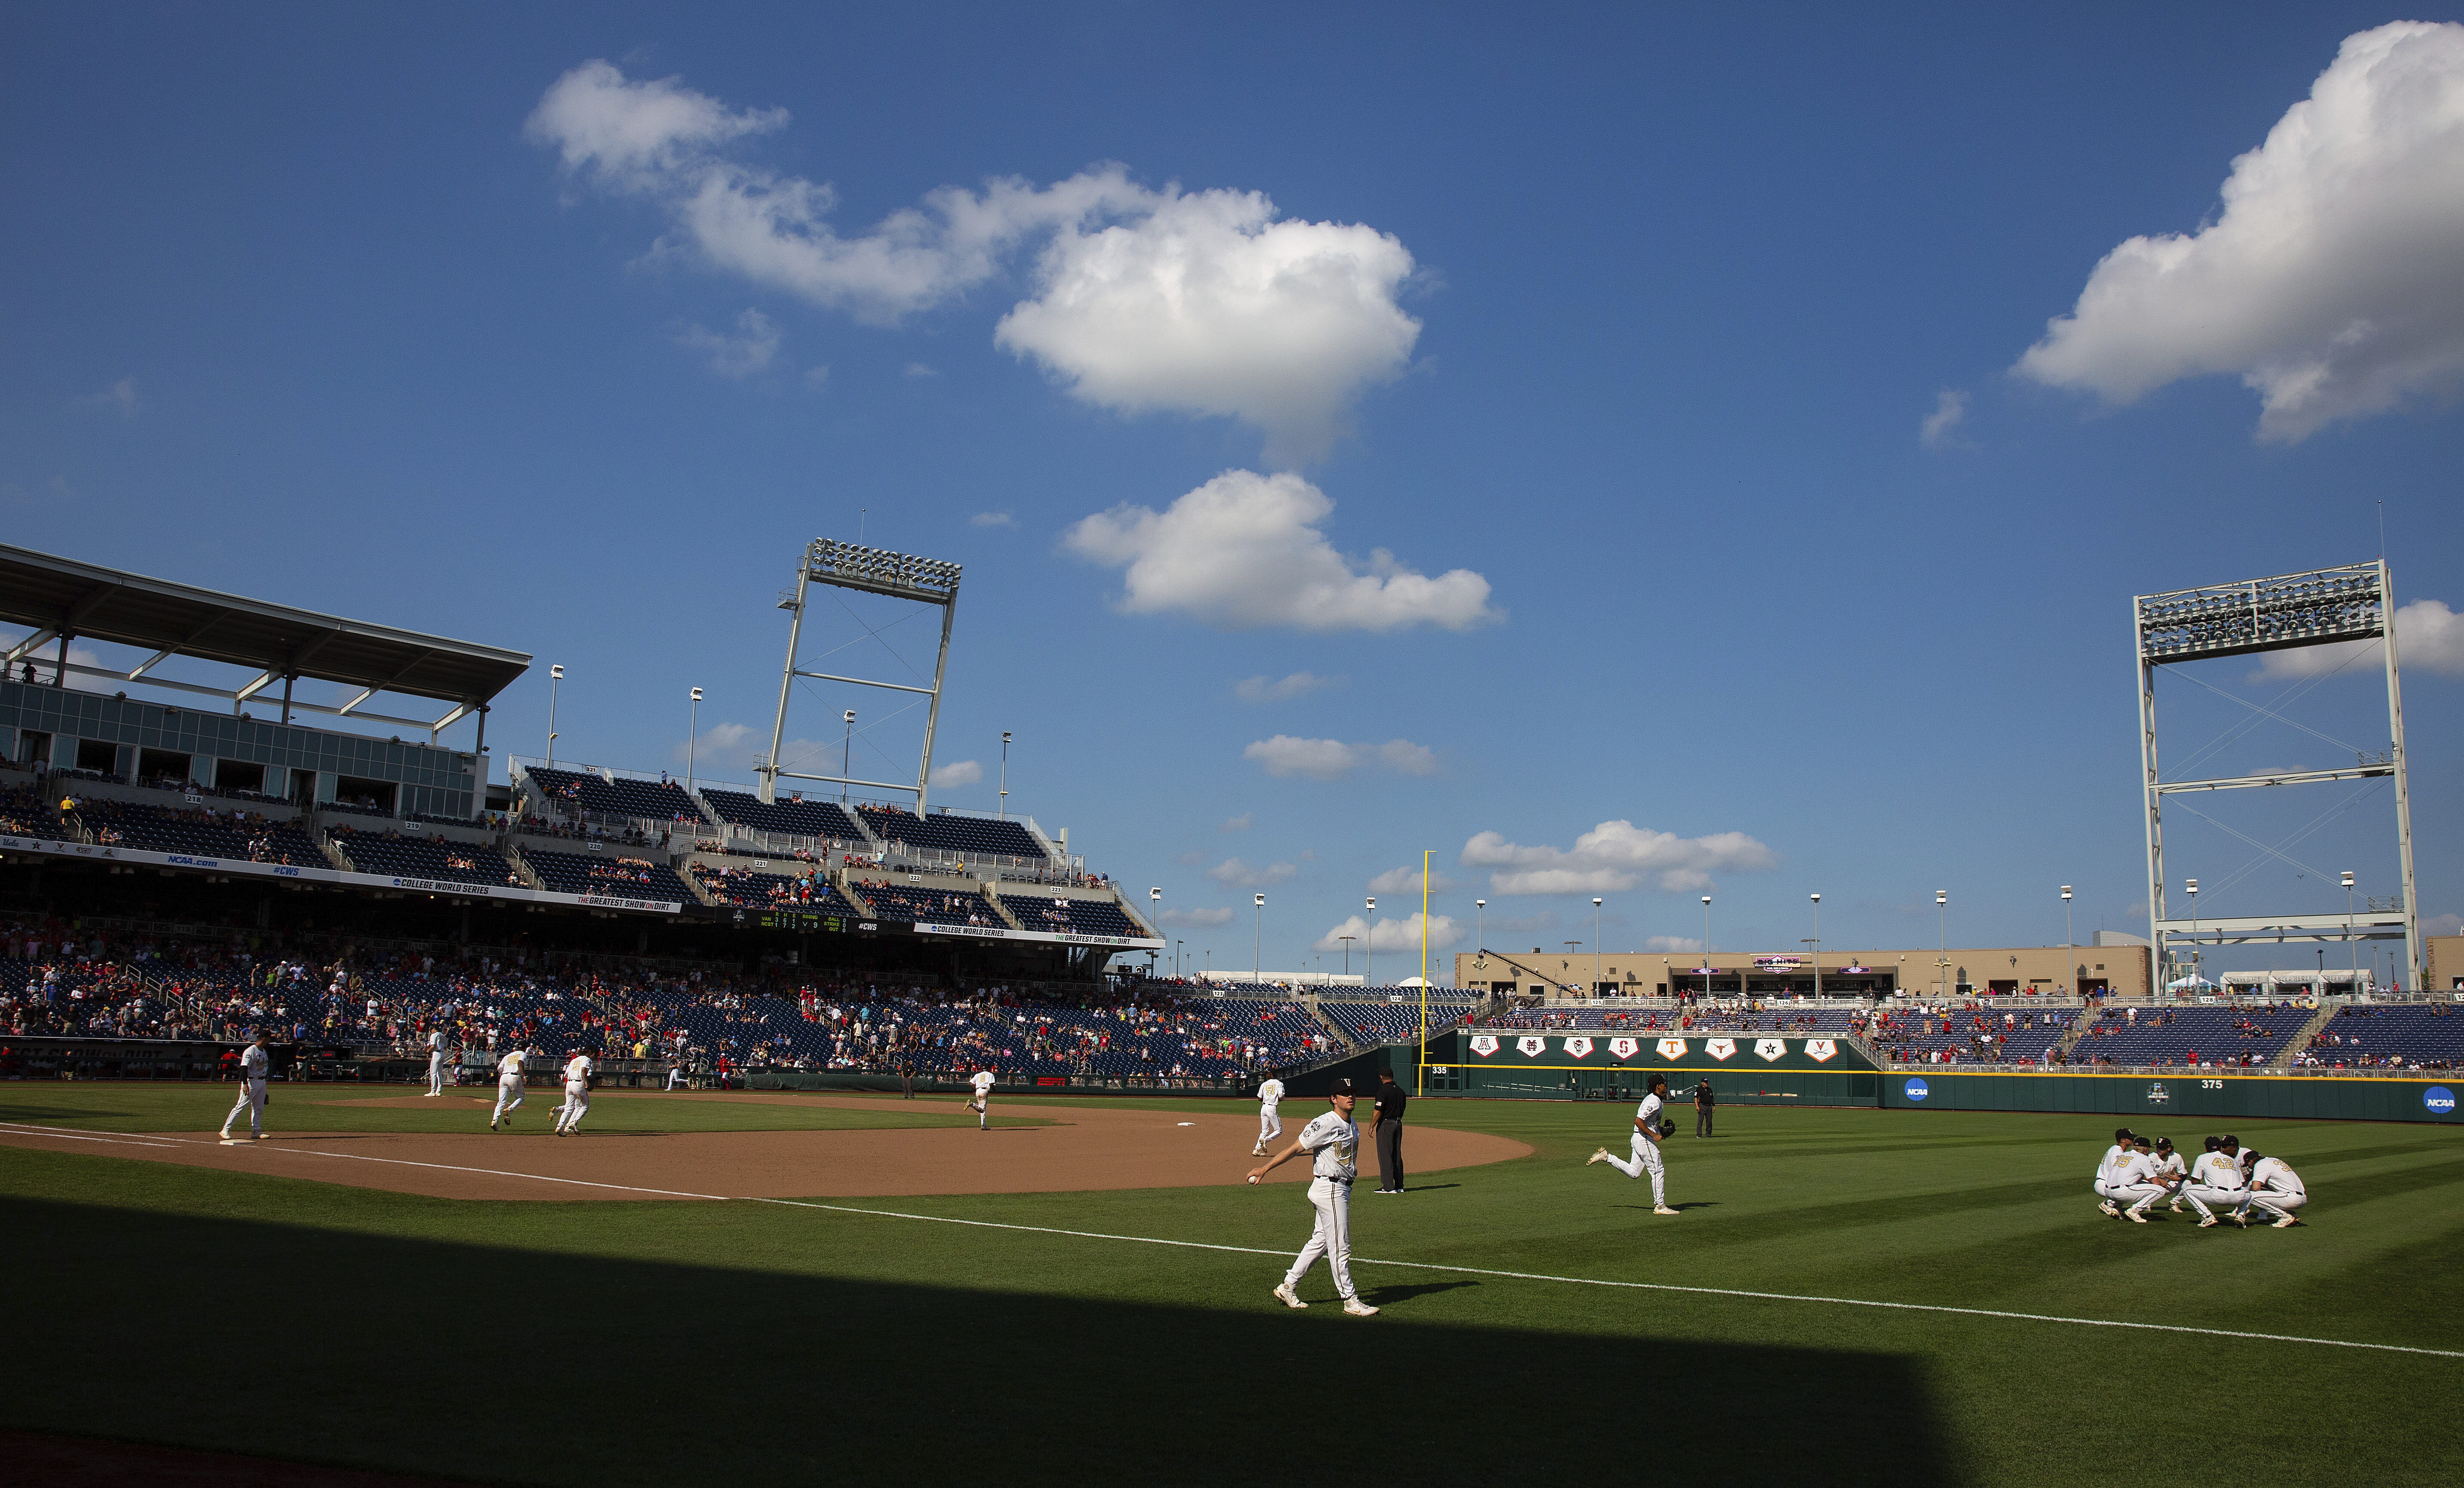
[1704,1101]
[1386,1128]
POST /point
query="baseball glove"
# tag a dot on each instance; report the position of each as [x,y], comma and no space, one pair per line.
[1667,1126]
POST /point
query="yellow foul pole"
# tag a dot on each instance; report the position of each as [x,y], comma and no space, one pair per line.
[1421,1077]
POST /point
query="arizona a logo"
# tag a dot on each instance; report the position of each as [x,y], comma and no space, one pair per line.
[1532,1047]
[1483,1044]
[1772,1050]
[1821,1049]
[1623,1048]
[1672,1048]
[1720,1048]
[1578,1048]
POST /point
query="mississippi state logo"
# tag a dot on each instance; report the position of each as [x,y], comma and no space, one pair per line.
[1821,1049]
[1720,1048]
[1532,1048]
[1483,1044]
[1623,1048]
[1672,1048]
[1772,1050]
[1578,1048]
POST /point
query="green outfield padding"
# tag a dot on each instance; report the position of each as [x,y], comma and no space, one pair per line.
[1931,1087]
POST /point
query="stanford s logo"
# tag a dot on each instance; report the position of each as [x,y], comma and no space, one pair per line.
[1623,1048]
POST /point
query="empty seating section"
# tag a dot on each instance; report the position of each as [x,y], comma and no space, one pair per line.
[419,857]
[793,818]
[930,906]
[648,800]
[2370,1037]
[2250,1035]
[969,837]
[1065,916]
[200,834]
[614,874]
[751,889]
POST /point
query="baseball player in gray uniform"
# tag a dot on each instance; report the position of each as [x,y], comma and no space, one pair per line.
[1334,1143]
[1648,1129]
[254,1065]
[435,1060]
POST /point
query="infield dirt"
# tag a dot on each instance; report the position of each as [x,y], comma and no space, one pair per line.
[1081,1148]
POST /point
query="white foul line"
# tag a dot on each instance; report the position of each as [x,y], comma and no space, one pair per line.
[1650,1286]
[1358,1260]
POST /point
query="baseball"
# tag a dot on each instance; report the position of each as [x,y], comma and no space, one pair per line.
[1253,1177]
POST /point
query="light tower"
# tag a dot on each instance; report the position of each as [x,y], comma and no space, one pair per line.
[896,576]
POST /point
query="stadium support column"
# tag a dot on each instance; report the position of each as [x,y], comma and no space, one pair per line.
[2151,803]
[479,754]
[932,711]
[2403,792]
[768,769]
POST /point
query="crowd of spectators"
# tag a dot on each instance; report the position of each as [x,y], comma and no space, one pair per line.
[2404,1036]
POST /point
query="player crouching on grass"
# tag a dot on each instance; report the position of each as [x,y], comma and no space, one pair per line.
[1649,1128]
[2109,1171]
[2275,1187]
[1334,1143]
[2216,1179]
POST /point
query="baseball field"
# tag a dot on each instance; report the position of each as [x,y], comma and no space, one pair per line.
[828,1289]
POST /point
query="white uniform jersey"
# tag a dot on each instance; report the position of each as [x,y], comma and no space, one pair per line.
[2139,1169]
[1335,1140]
[1648,1114]
[577,1070]
[1270,1094]
[2277,1175]
[252,1061]
[2169,1167]
[2108,1168]
[436,1042]
[2215,1170]
[510,1067]
[983,1083]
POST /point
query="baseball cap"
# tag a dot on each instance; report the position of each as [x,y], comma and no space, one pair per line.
[1343,1087]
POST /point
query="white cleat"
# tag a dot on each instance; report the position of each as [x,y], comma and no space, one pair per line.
[2242,1220]
[2134,1217]
[1661,1209]
[2287,1222]
[1283,1294]
[1354,1307]
[1600,1156]
[2109,1208]
[2209,1223]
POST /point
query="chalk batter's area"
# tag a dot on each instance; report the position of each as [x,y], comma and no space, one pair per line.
[1068,1148]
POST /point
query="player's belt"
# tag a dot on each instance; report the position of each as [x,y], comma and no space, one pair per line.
[1331,1178]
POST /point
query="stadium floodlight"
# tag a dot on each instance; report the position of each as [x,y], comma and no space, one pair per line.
[692,727]
[555,677]
[1258,938]
[897,576]
[1817,943]
[1369,948]
[1481,935]
[1706,948]
[2350,603]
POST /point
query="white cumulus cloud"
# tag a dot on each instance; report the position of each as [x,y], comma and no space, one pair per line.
[1395,932]
[121,397]
[1672,942]
[1245,551]
[1261,688]
[750,349]
[1332,759]
[956,773]
[1406,880]
[1613,857]
[2428,637]
[1203,302]
[1232,873]
[1239,823]
[1193,919]
[1941,426]
[992,519]
[2328,282]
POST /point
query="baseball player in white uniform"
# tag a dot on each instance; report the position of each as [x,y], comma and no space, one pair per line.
[982,1103]
[2275,1187]
[2215,1180]
[254,1065]
[1647,1133]
[2169,1170]
[577,1096]
[1334,1143]
[509,1087]
[2109,1171]
[435,1060]
[1270,1125]
[2136,1183]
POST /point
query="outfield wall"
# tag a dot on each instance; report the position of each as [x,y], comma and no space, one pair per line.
[2340,1098]
[1744,1069]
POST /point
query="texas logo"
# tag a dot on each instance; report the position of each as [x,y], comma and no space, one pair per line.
[1623,1048]
[1672,1048]
[1772,1050]
[1720,1048]
[1821,1049]
[1483,1044]
[1578,1048]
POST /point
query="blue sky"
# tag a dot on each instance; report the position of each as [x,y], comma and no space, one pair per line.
[1674,360]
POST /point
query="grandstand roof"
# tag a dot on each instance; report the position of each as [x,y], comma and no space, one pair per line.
[51,593]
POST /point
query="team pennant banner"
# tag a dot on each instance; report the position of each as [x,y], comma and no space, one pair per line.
[1672,1048]
[1578,1048]
[1772,1050]
[1532,1048]
[1623,1048]
[1821,1049]
[1483,1044]
[1720,1048]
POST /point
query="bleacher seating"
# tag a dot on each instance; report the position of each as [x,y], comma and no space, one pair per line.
[646,800]
[969,837]
[2250,1034]
[932,905]
[1374,1022]
[202,834]
[820,819]
[751,889]
[624,875]
[2364,1036]
[1065,916]
[418,857]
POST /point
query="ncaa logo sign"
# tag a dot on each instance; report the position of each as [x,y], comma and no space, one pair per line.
[2439,1099]
[1916,1090]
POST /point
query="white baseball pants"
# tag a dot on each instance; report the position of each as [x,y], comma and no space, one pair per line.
[2135,1197]
[576,1106]
[2280,1204]
[2203,1198]
[1646,1159]
[675,1078]
[1331,1238]
[509,1095]
[435,1073]
[1270,1125]
[252,1100]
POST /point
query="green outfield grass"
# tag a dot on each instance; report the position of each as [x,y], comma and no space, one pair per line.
[165,1107]
[667,1343]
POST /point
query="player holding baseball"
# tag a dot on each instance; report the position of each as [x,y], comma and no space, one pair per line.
[254,1065]
[982,1103]
[1271,1125]
[577,1096]
[435,1059]
[1334,1143]
[509,1089]
[1649,1128]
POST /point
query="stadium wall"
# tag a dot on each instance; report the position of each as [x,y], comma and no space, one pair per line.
[1744,1069]
[2216,1095]
[1992,970]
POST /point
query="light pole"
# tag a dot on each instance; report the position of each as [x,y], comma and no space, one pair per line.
[846,758]
[2068,943]
[1369,952]
[1004,780]
[693,731]
[1481,905]
[556,674]
[1346,955]
[2192,885]
[1257,939]
[2352,945]
[1706,948]
[1818,947]
[1595,945]
[1942,952]
[1155,900]
[1176,959]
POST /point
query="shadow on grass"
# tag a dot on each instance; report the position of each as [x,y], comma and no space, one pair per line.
[494,1363]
